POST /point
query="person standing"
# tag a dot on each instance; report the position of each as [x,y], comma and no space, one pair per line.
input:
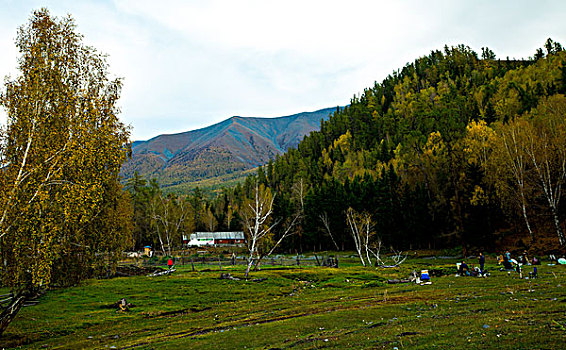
[170,263]
[481,260]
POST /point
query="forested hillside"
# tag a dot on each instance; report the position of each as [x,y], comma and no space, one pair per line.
[454,149]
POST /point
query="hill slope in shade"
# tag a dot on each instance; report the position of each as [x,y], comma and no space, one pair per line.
[231,146]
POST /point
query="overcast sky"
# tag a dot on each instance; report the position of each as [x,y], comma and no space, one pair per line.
[189,64]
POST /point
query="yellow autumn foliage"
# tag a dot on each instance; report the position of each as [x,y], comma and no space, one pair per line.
[63,214]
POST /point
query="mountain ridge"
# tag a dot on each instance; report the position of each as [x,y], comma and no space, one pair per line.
[232,145]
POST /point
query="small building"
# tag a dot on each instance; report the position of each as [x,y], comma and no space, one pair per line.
[216,239]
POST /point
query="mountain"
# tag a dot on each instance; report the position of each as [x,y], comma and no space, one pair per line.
[229,147]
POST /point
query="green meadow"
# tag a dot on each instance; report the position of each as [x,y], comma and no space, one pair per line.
[350,307]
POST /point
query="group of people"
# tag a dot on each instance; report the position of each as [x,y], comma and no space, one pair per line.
[465,270]
[508,262]
[511,264]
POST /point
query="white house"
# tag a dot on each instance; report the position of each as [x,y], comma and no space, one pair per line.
[217,239]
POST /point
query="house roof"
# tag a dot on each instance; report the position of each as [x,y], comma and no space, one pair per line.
[218,235]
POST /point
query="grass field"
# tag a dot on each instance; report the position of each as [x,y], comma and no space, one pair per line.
[308,307]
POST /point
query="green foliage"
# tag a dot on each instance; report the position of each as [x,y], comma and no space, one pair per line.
[63,213]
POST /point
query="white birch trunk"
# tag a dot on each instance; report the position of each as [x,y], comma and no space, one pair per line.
[355,234]
[517,167]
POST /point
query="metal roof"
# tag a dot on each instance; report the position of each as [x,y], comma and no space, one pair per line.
[218,235]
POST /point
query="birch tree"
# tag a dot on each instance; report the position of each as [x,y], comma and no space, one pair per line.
[286,226]
[501,155]
[169,216]
[210,219]
[546,151]
[361,229]
[326,223]
[61,150]
[257,221]
[356,224]
[509,164]
[530,153]
[368,244]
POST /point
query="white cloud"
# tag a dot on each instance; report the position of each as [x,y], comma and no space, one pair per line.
[187,64]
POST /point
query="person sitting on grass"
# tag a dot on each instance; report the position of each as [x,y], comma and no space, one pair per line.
[525,258]
[507,264]
[475,271]
[500,259]
[463,270]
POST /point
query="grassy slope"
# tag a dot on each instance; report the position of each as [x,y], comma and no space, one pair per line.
[212,185]
[350,307]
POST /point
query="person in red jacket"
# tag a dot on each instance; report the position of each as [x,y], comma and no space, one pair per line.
[170,263]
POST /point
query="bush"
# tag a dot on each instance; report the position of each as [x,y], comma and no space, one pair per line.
[153,260]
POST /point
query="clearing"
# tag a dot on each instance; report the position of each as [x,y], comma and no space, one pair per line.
[303,307]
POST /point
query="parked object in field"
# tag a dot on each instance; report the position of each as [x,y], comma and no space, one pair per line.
[148,251]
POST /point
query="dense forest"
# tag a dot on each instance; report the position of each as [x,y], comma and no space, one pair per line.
[454,150]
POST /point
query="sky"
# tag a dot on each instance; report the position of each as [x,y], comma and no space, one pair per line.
[189,64]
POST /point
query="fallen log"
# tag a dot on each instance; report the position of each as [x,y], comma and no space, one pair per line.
[161,273]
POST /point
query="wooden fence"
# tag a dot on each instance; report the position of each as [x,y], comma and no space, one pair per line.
[210,261]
